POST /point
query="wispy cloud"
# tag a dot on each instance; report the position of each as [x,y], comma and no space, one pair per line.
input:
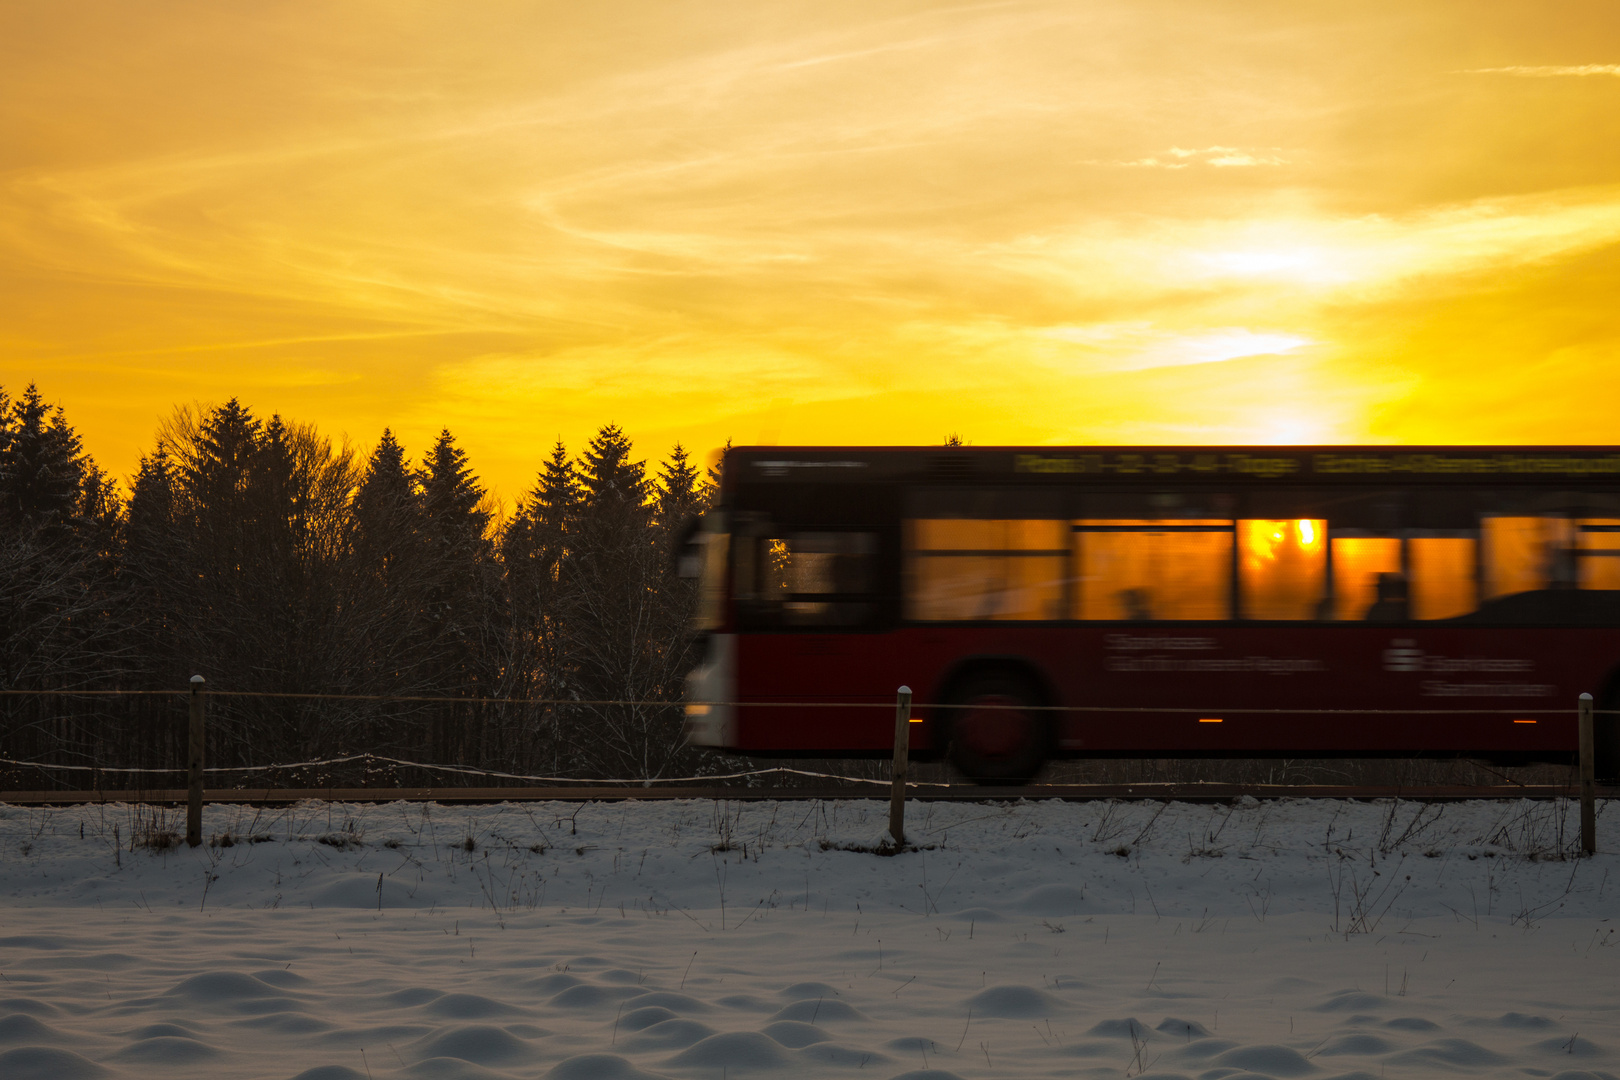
[1220,157]
[1139,346]
[1546,71]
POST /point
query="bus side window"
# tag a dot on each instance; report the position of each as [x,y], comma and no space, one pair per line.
[1441,576]
[960,569]
[1524,554]
[1139,570]
[1369,579]
[1284,568]
[1597,553]
[819,578]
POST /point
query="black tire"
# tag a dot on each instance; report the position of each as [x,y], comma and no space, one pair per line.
[993,736]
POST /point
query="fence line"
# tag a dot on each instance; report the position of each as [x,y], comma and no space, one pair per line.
[645,781]
[884,704]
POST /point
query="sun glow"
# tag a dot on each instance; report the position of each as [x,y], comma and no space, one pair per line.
[1300,264]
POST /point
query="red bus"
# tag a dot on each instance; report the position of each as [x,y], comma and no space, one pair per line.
[1160,602]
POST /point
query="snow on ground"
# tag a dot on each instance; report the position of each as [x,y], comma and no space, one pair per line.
[621,941]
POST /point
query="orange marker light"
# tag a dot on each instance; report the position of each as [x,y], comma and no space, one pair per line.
[916,719]
[1210,721]
[1524,721]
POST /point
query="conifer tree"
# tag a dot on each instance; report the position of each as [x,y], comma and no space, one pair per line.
[614,620]
[387,513]
[534,542]
[451,498]
[679,496]
[534,550]
[462,595]
[216,461]
[59,620]
[712,475]
[42,465]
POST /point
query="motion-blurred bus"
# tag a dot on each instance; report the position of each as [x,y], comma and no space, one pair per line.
[1159,602]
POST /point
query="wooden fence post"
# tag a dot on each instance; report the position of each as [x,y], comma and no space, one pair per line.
[902,748]
[1588,792]
[194,762]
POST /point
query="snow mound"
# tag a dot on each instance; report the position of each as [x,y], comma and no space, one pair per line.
[414,995]
[443,1068]
[221,986]
[1013,1003]
[1359,1043]
[1411,1023]
[287,1023]
[480,1044]
[676,1034]
[1574,1045]
[1346,1000]
[802,991]
[20,1028]
[819,1011]
[1051,900]
[231,991]
[598,1067]
[590,996]
[977,915]
[1269,1060]
[154,1031]
[360,891]
[46,1063]
[1182,1029]
[281,977]
[468,1007]
[734,1051]
[644,1017]
[1457,1053]
[1202,1049]
[166,1050]
[794,1035]
[926,1074]
[664,999]
[1118,1029]
[330,1072]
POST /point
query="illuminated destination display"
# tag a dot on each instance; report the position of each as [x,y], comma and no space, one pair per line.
[1348,463]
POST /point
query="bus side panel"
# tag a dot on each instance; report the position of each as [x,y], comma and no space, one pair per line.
[1386,677]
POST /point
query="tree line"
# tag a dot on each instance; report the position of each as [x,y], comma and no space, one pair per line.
[274,562]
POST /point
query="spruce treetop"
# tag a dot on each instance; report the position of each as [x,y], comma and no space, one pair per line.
[42,462]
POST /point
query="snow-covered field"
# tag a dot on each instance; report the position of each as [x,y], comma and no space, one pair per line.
[696,939]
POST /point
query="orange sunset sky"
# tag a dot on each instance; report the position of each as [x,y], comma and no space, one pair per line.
[829,222]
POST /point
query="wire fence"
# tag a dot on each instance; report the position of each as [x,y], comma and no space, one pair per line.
[101,739]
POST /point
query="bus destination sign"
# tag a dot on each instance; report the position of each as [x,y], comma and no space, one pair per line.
[1335,463]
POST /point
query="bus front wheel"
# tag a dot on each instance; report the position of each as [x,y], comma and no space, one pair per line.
[996,736]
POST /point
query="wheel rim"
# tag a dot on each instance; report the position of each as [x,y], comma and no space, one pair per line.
[995,727]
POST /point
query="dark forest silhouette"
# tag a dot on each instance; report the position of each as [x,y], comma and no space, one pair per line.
[261,555]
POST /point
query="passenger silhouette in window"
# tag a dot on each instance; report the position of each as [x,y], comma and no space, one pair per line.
[1561,569]
[1391,604]
[1138,605]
